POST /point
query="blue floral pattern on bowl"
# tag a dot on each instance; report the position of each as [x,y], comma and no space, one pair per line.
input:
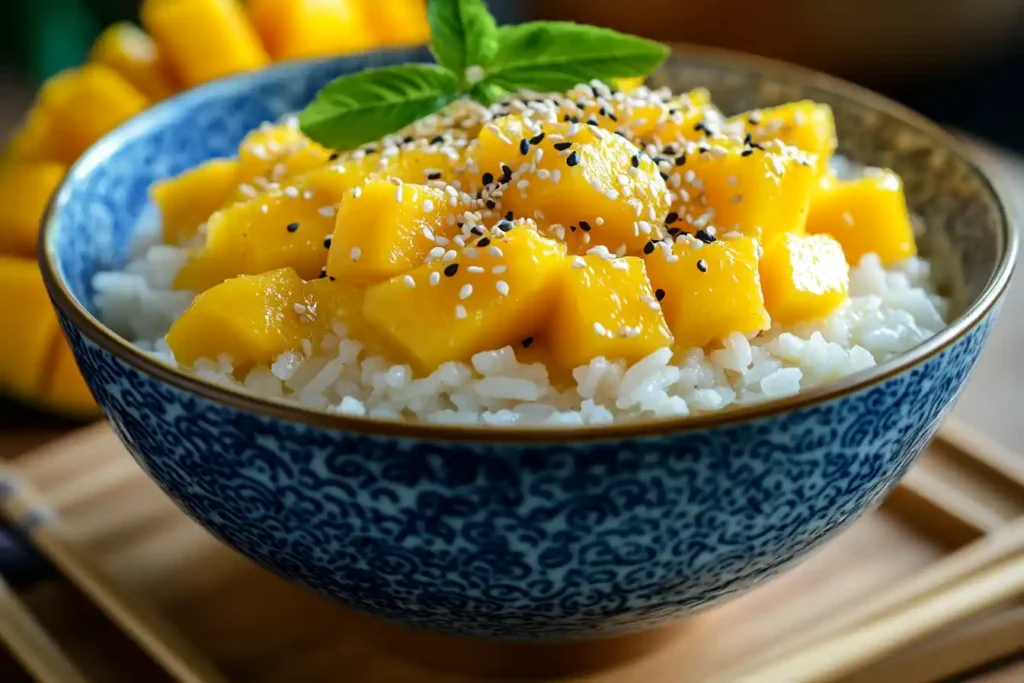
[533,537]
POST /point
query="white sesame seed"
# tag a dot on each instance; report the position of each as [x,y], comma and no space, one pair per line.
[428,205]
[356,253]
[847,218]
[498,270]
[620,265]
[291,192]
[264,208]
[466,291]
[599,328]
[436,253]
[435,278]
[556,175]
[428,233]
[495,251]
[611,194]
[460,312]
[398,194]
[357,191]
[578,262]
[599,220]
[299,308]
[307,194]
[396,181]
[248,190]
[470,252]
[441,240]
[326,211]
[502,287]
[475,269]
[409,282]
[449,256]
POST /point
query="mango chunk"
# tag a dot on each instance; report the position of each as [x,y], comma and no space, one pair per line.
[494,293]
[586,185]
[188,200]
[803,277]
[605,307]
[25,191]
[806,125]
[29,325]
[383,229]
[252,319]
[736,188]
[203,39]
[289,226]
[333,301]
[64,390]
[35,140]
[296,29]
[86,103]
[866,215]
[708,291]
[275,152]
[689,117]
[400,22]
[129,51]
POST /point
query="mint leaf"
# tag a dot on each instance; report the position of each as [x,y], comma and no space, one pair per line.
[462,34]
[363,107]
[557,55]
[487,93]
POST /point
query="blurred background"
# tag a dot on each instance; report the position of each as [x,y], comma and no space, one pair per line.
[957,61]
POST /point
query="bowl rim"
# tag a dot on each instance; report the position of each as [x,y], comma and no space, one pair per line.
[123,350]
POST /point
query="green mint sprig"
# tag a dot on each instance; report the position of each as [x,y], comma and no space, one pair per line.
[475,59]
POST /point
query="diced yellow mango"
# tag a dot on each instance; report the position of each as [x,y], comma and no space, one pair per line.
[86,103]
[203,39]
[35,139]
[252,318]
[590,191]
[188,200]
[803,277]
[29,326]
[806,125]
[64,390]
[444,311]
[129,51]
[398,22]
[866,215]
[25,191]
[383,229]
[275,153]
[736,188]
[690,116]
[708,291]
[295,29]
[332,301]
[605,308]
[628,84]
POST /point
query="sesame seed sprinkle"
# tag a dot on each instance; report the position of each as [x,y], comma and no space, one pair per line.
[502,287]
[451,269]
[435,278]
[292,227]
[466,291]
[409,281]
[460,312]
[356,253]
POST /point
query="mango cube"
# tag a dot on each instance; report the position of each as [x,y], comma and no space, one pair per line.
[188,200]
[383,229]
[761,193]
[274,153]
[29,325]
[866,215]
[803,277]
[130,51]
[708,291]
[203,39]
[25,191]
[806,125]
[295,29]
[605,307]
[494,293]
[252,318]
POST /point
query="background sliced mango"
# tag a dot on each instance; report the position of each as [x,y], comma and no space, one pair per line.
[185,43]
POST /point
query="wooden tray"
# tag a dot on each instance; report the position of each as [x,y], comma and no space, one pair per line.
[257,628]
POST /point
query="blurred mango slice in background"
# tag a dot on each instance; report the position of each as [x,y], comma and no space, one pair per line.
[181,44]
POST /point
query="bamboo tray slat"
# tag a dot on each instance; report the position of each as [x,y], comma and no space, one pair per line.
[256,628]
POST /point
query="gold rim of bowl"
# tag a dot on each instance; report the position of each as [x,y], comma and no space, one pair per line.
[237,399]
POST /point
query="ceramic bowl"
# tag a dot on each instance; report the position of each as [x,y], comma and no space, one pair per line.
[527,534]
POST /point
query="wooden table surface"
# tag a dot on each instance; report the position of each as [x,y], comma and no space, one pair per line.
[992,400]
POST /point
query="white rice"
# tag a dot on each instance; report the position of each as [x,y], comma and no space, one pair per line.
[888,312]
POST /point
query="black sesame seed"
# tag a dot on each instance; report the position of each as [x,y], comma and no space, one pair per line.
[490,204]
[673,111]
[476,230]
[537,139]
[292,227]
[746,152]
[460,224]
[621,134]
[572,228]
[407,139]
[680,160]
[485,242]
[331,278]
[664,176]
[748,139]
[757,145]
[506,173]
[505,226]
[584,226]
[572,159]
[592,122]
[370,149]
[323,271]
[524,146]
[488,178]
[510,216]
[562,146]
[672,217]
[594,91]
[703,149]
[700,127]
[437,139]
[702,266]
[451,269]
[527,342]
[334,156]
[613,117]
[659,294]
[649,248]
[669,150]
[327,241]
[674,232]
[635,161]
[704,236]
[433,176]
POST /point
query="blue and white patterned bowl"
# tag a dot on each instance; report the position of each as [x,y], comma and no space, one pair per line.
[524,534]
